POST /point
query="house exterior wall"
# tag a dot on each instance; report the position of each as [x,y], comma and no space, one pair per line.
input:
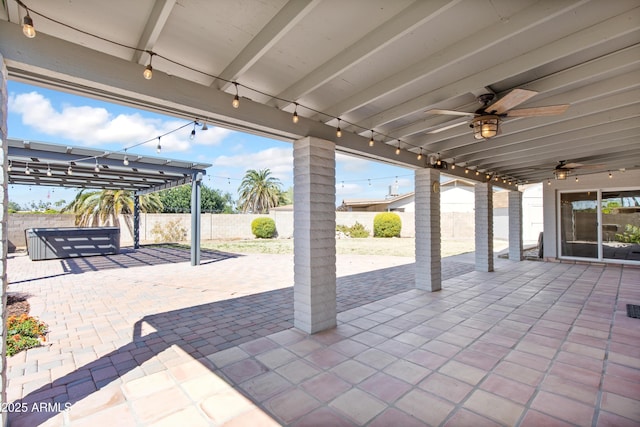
[600,181]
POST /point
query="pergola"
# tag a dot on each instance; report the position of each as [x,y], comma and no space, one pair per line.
[55,165]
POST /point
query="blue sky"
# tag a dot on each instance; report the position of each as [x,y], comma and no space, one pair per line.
[38,114]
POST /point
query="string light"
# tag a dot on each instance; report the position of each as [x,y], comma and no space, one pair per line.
[338,130]
[398,148]
[27,24]
[453,163]
[577,179]
[125,161]
[193,133]
[27,171]
[158,148]
[487,176]
[477,172]
[236,99]
[420,154]
[148,71]
[295,117]
[548,181]
[97,167]
[69,170]
[466,170]
[49,170]
[371,141]
[610,176]
[9,166]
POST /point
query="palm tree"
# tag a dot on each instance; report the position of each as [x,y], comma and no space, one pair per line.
[95,208]
[259,191]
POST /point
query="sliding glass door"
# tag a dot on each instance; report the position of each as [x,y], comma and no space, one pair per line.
[579,224]
[621,225]
[600,225]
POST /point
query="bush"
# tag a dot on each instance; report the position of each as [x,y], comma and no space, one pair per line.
[263,227]
[387,224]
[24,332]
[170,232]
[356,231]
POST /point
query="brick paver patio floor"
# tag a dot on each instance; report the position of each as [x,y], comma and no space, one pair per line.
[168,344]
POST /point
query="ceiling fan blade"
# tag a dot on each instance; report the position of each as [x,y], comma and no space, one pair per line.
[449,112]
[510,100]
[447,127]
[551,110]
[598,166]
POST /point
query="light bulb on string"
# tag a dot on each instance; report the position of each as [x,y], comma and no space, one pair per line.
[295,117]
[577,179]
[27,171]
[398,148]
[49,173]
[148,71]
[610,176]
[371,141]
[125,161]
[97,167]
[193,132]
[236,99]
[9,166]
[159,147]
[69,170]
[548,181]
[338,130]
[477,172]
[420,154]
[453,163]
[27,26]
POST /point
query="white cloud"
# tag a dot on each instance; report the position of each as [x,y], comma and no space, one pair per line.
[352,163]
[278,160]
[94,126]
[348,190]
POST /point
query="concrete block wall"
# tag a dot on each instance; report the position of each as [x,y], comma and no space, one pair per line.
[428,271]
[515,226]
[484,226]
[19,222]
[314,222]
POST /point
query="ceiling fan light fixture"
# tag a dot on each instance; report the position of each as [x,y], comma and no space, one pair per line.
[561,174]
[485,127]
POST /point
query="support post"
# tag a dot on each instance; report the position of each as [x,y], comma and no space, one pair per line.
[428,271]
[136,221]
[484,226]
[195,218]
[314,231]
[4,217]
[515,226]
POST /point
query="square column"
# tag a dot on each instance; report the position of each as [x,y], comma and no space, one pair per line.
[515,226]
[4,217]
[314,234]
[484,226]
[428,271]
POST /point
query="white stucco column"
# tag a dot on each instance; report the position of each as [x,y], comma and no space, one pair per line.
[4,216]
[314,234]
[515,226]
[428,271]
[484,226]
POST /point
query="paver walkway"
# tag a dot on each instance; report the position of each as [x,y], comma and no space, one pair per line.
[531,344]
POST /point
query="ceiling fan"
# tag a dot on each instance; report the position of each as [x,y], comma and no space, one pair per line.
[564,169]
[485,121]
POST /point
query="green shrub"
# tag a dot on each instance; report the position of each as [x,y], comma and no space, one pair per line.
[263,227]
[387,224]
[356,231]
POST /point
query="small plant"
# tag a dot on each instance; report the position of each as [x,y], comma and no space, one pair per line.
[24,332]
[631,234]
[387,224]
[263,227]
[172,231]
[356,231]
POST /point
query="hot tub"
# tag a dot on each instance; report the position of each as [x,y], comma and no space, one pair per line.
[71,242]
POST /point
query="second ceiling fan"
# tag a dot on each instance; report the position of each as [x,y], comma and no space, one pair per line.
[485,121]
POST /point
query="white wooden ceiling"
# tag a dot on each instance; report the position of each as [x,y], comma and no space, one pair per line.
[376,64]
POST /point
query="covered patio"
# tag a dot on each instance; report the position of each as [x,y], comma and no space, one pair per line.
[530,344]
[512,342]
